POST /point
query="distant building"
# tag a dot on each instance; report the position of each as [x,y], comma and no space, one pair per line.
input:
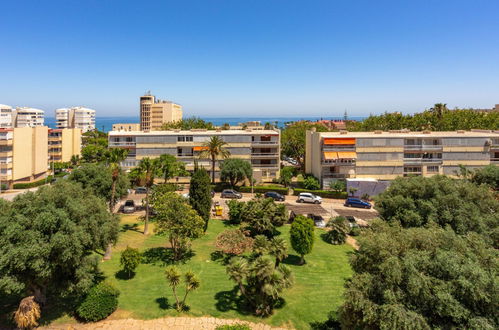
[155,112]
[259,147]
[27,117]
[495,108]
[126,127]
[63,144]
[5,116]
[75,117]
[388,155]
[23,154]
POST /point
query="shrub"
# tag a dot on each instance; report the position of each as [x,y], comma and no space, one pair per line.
[339,230]
[219,186]
[323,193]
[236,326]
[235,211]
[233,241]
[32,184]
[99,303]
[311,183]
[264,189]
[302,236]
[130,259]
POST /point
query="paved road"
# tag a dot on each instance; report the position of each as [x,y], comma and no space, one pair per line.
[13,193]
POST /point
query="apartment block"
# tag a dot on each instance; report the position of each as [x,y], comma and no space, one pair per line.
[387,155]
[23,154]
[5,116]
[259,147]
[63,144]
[126,127]
[75,117]
[155,112]
[27,117]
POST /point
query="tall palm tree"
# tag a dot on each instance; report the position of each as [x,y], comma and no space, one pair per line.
[439,109]
[148,169]
[213,149]
[278,249]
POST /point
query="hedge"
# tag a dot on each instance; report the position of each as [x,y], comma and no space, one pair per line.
[264,189]
[32,184]
[100,302]
[322,193]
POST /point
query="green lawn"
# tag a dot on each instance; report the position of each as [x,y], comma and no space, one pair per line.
[317,290]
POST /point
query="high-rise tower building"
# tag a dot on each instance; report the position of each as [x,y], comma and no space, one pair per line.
[154,112]
[75,117]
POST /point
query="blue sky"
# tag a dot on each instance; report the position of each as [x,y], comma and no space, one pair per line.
[250,58]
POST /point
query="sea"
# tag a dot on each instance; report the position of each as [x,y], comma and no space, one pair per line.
[105,124]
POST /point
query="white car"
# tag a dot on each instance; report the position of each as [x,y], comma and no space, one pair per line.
[309,198]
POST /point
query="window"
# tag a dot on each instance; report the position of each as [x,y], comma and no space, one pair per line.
[184,138]
[432,169]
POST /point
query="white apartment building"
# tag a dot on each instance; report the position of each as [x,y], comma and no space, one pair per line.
[75,117]
[27,117]
[5,116]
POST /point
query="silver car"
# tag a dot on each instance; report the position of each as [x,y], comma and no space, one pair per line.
[309,198]
[129,206]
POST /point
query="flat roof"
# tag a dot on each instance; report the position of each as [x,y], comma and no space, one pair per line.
[384,134]
[196,132]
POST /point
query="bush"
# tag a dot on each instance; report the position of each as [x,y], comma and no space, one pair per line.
[233,241]
[32,184]
[100,302]
[311,183]
[219,186]
[322,193]
[130,259]
[339,230]
[264,189]
[236,326]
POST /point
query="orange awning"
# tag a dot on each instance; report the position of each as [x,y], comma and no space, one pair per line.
[199,148]
[347,155]
[330,155]
[337,141]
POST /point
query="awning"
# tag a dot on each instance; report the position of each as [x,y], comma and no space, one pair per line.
[347,155]
[199,148]
[339,141]
[330,155]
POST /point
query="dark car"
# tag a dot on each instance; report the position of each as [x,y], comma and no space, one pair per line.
[140,190]
[229,193]
[357,202]
[275,196]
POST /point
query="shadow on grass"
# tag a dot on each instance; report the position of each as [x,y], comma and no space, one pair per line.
[331,323]
[133,227]
[57,307]
[122,275]
[222,258]
[292,260]
[163,256]
[325,238]
[163,303]
[231,300]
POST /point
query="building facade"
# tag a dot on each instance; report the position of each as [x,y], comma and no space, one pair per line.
[75,117]
[28,117]
[126,127]
[260,147]
[5,116]
[155,112]
[63,144]
[387,155]
[23,154]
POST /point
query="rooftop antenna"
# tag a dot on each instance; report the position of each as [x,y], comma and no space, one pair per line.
[148,93]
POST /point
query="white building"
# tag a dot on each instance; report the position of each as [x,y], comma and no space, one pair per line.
[5,116]
[75,117]
[27,117]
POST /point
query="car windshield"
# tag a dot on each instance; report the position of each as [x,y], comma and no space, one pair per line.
[129,203]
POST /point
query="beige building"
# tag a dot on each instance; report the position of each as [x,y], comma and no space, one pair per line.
[63,144]
[27,117]
[387,155]
[23,154]
[5,116]
[259,147]
[126,127]
[154,112]
[75,117]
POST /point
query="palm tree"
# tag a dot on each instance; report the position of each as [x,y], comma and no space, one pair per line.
[169,166]
[75,160]
[213,149]
[147,168]
[278,249]
[439,109]
[114,158]
[238,270]
[173,277]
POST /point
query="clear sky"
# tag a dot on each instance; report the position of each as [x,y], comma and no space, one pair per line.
[250,58]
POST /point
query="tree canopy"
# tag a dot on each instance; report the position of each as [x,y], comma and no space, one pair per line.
[421,278]
[293,139]
[200,194]
[188,123]
[47,238]
[235,170]
[488,175]
[302,236]
[460,204]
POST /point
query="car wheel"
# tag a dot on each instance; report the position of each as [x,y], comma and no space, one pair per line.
[347,205]
[316,202]
[300,201]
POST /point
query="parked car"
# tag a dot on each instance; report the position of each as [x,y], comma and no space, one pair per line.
[357,202]
[140,190]
[129,206]
[318,220]
[275,196]
[229,193]
[309,198]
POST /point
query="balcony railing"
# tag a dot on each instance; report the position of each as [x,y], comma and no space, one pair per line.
[274,154]
[422,147]
[334,175]
[422,160]
[265,142]
[122,144]
[494,160]
[185,155]
[339,148]
[266,165]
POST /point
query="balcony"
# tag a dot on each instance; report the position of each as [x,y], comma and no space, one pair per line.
[422,147]
[334,176]
[186,155]
[121,144]
[266,143]
[339,148]
[494,160]
[422,160]
[265,165]
[265,155]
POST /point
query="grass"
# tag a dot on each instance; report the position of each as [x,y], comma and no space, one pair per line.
[317,290]
[318,286]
